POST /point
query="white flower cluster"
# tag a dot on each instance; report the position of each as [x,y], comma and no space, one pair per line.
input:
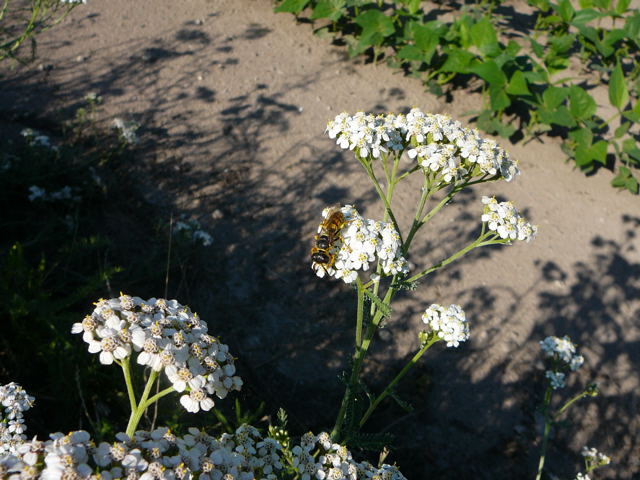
[161,455]
[192,229]
[594,458]
[439,143]
[14,401]
[37,139]
[318,458]
[582,476]
[449,324]
[556,379]
[360,242]
[563,350]
[504,219]
[64,194]
[169,337]
[127,130]
[157,454]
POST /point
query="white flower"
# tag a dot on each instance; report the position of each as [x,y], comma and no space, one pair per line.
[358,244]
[504,219]
[449,324]
[595,458]
[442,146]
[556,379]
[563,350]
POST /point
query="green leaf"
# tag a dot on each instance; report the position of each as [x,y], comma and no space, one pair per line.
[374,21]
[599,151]
[581,104]
[625,179]
[483,36]
[632,26]
[630,147]
[291,6]
[329,9]
[383,308]
[498,97]
[585,3]
[565,10]
[582,136]
[618,93]
[560,116]
[537,48]
[490,72]
[583,157]
[427,37]
[552,97]
[622,130]
[411,52]
[603,4]
[561,44]
[457,61]
[412,5]
[621,6]
[518,84]
[583,17]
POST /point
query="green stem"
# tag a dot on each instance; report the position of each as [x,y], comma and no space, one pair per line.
[569,403]
[126,370]
[479,242]
[359,313]
[545,435]
[397,378]
[158,396]
[426,193]
[136,415]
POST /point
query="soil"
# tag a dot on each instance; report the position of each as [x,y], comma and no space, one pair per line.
[233,100]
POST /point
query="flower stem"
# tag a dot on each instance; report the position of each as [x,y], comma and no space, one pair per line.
[397,378]
[127,379]
[569,403]
[359,313]
[158,396]
[545,435]
[136,415]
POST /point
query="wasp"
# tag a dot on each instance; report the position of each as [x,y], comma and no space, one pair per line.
[328,233]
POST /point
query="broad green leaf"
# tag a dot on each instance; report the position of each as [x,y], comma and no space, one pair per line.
[562,43]
[583,17]
[565,10]
[625,179]
[590,33]
[630,147]
[582,136]
[552,97]
[375,21]
[614,36]
[483,36]
[543,5]
[583,157]
[411,52]
[581,104]
[603,4]
[498,97]
[622,130]
[560,116]
[457,61]
[585,3]
[621,6]
[537,48]
[329,9]
[632,26]
[490,73]
[291,6]
[412,5]
[618,93]
[427,37]
[599,151]
[518,84]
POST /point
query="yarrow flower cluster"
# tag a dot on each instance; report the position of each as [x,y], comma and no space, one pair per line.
[64,194]
[360,242]
[37,139]
[159,454]
[193,230]
[563,353]
[504,219]
[594,458]
[562,350]
[440,144]
[14,401]
[316,457]
[169,337]
[127,130]
[447,323]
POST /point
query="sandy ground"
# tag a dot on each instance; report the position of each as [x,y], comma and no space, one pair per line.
[233,101]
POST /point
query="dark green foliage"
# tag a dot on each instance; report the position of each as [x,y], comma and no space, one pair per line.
[532,85]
